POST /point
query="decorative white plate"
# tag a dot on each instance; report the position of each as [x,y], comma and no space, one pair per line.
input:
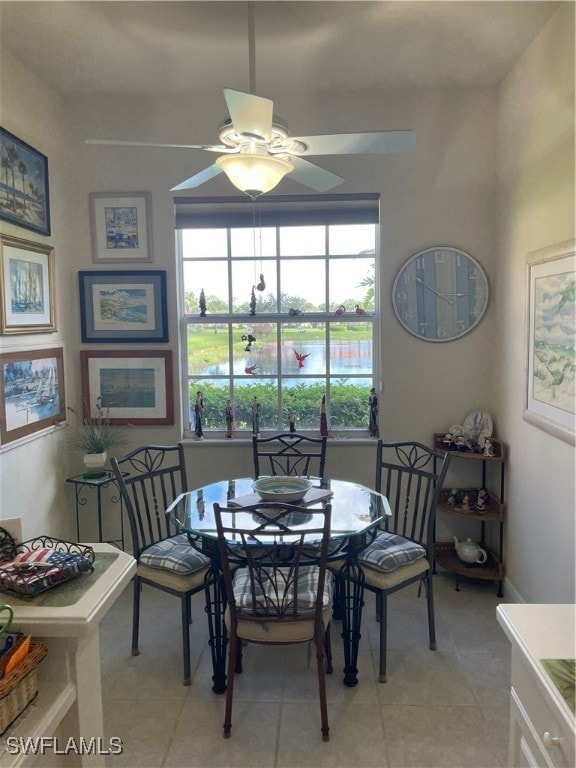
[478,426]
[284,489]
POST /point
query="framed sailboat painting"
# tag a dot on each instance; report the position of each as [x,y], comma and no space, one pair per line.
[31,392]
[27,287]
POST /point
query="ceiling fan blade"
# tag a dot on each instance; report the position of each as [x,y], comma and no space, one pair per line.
[374,143]
[198,179]
[251,115]
[318,179]
[122,143]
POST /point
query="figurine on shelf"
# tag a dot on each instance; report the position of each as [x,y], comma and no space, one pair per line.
[452,498]
[229,419]
[323,418]
[466,504]
[341,309]
[373,419]
[488,447]
[359,310]
[252,302]
[294,312]
[198,411]
[482,500]
[291,423]
[202,303]
[256,417]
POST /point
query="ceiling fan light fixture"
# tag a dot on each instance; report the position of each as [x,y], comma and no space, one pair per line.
[254,173]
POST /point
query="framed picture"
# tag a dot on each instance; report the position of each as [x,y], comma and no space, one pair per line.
[24,196]
[31,392]
[550,391]
[123,307]
[27,287]
[121,227]
[135,387]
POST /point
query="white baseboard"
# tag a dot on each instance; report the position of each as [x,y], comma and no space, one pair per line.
[511,593]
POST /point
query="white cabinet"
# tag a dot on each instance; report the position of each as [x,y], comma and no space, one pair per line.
[69,676]
[542,725]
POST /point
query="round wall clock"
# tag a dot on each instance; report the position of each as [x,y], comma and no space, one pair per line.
[440,294]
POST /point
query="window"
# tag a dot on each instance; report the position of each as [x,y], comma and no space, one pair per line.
[279,300]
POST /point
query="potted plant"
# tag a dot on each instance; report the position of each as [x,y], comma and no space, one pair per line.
[96,436]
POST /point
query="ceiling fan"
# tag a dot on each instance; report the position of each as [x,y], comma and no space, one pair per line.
[256,149]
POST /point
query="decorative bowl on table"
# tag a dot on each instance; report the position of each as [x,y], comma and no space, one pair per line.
[287,490]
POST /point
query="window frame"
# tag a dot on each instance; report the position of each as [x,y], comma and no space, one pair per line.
[217,215]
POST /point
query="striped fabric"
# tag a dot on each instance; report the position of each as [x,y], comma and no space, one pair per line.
[274,591]
[389,551]
[174,554]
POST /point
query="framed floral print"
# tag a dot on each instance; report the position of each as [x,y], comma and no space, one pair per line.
[551,346]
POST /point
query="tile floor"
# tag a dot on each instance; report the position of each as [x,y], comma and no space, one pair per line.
[442,709]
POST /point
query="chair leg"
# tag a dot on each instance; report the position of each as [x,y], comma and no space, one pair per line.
[186,611]
[430,602]
[328,650]
[136,615]
[233,644]
[378,596]
[383,600]
[319,641]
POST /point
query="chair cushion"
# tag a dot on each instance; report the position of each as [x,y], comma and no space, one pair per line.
[174,554]
[274,593]
[389,551]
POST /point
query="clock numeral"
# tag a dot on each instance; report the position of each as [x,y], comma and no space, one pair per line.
[460,325]
[472,273]
[423,327]
[439,257]
[408,316]
[401,297]
[441,332]
[420,263]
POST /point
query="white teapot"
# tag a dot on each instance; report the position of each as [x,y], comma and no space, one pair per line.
[470,552]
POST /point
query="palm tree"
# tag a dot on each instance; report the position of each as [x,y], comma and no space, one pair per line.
[23,171]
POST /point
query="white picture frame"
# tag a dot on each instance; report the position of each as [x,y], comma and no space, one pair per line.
[551,340]
[121,227]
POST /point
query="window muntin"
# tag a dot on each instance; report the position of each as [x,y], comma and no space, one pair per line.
[313,269]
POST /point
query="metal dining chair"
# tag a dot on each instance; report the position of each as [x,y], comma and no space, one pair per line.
[289,453]
[411,476]
[278,588]
[150,478]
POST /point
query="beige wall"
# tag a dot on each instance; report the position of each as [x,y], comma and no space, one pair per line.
[445,194]
[536,182]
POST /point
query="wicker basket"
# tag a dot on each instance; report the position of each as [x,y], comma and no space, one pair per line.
[19,687]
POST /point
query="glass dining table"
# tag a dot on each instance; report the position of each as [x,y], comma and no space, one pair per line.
[357,512]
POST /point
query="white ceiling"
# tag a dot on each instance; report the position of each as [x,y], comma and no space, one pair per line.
[318,47]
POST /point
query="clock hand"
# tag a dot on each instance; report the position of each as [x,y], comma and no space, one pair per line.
[442,295]
[458,295]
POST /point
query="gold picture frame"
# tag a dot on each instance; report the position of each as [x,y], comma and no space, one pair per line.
[27,293]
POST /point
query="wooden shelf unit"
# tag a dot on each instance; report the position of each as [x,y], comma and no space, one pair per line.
[445,552]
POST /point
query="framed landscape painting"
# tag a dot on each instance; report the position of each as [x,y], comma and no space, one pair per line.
[24,194]
[551,348]
[26,287]
[121,227]
[31,392]
[123,307]
[134,387]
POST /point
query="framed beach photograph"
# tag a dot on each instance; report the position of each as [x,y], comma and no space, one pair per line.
[24,194]
[123,307]
[31,392]
[135,387]
[121,227]
[27,287]
[551,347]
